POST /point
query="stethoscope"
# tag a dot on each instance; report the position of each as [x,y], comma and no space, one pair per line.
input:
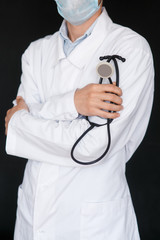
[104,70]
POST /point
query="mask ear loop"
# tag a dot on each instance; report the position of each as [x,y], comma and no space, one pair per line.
[108,58]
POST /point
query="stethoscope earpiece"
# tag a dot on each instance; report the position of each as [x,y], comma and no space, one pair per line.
[105,70]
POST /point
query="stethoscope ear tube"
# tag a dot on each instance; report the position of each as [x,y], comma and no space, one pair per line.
[92,125]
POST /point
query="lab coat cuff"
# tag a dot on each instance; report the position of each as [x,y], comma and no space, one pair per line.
[97,120]
[35,108]
[60,107]
[11,137]
[71,111]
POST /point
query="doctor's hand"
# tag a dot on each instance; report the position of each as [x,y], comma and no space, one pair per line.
[89,100]
[20,105]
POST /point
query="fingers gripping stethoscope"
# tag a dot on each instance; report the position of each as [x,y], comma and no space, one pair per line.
[104,70]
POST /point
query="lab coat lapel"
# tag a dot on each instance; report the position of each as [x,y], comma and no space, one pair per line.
[83,53]
[56,51]
[86,49]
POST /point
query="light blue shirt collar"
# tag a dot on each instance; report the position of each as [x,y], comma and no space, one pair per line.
[68,45]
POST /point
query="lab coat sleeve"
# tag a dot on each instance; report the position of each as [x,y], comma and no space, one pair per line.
[57,107]
[51,141]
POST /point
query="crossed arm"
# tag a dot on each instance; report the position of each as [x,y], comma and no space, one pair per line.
[49,140]
[89,101]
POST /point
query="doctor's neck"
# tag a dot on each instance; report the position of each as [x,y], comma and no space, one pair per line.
[74,32]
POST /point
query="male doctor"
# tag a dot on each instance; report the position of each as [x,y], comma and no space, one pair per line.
[60,199]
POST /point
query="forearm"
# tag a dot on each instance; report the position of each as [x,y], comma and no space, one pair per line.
[58,107]
[43,140]
[51,141]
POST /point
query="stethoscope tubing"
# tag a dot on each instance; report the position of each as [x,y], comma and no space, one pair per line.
[109,121]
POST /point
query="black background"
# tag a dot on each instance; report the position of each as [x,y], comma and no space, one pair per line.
[22,22]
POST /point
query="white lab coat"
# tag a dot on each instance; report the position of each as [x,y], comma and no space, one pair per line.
[60,199]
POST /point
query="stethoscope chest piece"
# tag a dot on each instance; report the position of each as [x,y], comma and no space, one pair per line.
[105,70]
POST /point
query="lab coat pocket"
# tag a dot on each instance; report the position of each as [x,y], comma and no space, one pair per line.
[111,220]
[25,205]
[18,225]
[24,216]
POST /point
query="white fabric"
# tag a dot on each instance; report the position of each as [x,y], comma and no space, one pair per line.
[59,199]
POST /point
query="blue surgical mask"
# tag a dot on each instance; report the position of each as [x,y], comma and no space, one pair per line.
[77,12]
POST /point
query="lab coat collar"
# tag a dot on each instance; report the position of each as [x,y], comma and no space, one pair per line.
[86,49]
[64,32]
